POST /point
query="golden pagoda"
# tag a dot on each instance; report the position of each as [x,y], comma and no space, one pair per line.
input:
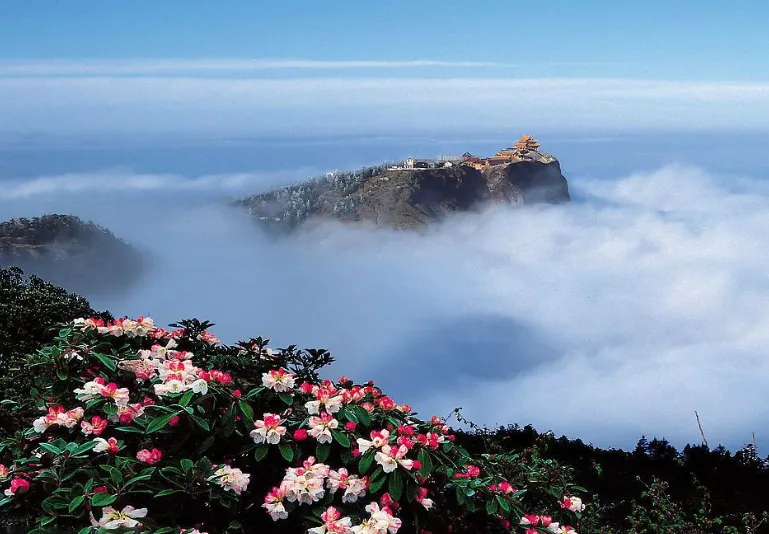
[526,144]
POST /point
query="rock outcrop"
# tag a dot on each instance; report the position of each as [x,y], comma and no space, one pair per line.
[410,198]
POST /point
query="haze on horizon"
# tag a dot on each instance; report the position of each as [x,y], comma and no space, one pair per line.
[613,317]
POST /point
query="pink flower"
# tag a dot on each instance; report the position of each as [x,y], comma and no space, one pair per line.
[237,394]
[306,388]
[350,426]
[506,487]
[174,421]
[379,438]
[278,380]
[572,503]
[149,457]
[321,427]
[18,485]
[273,503]
[268,430]
[390,457]
[300,435]
[530,519]
[103,445]
[333,523]
[208,338]
[3,471]
[421,497]
[115,393]
[95,427]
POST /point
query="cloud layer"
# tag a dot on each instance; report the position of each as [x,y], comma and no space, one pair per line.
[607,319]
[302,106]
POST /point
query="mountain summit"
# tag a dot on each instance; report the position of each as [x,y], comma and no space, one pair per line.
[416,192]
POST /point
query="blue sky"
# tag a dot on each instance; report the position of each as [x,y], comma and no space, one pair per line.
[653,39]
[290,68]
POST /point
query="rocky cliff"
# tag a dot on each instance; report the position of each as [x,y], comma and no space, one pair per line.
[410,198]
[67,251]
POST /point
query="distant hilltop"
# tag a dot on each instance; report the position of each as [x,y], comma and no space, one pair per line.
[415,192]
[78,255]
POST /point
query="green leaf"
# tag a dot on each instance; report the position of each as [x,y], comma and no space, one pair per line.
[85,530]
[187,465]
[159,422]
[503,503]
[247,411]
[395,487]
[427,462]
[50,448]
[286,451]
[165,492]
[365,462]
[375,485]
[286,397]
[321,451]
[260,452]
[363,416]
[137,479]
[349,414]
[185,400]
[109,408]
[130,429]
[102,499]
[75,503]
[341,438]
[106,360]
[85,447]
[5,501]
[200,422]
[115,475]
[491,507]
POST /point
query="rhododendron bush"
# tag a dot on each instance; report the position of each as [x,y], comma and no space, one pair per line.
[148,430]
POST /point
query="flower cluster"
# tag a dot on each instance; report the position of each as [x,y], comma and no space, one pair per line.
[170,414]
[58,415]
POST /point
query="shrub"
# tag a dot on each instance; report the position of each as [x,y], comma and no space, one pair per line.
[146,430]
[30,310]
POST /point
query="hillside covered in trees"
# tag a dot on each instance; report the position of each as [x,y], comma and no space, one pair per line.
[68,251]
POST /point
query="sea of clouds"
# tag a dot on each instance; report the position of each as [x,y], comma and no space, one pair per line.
[615,316]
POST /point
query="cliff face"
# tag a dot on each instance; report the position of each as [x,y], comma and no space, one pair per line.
[410,198]
[80,256]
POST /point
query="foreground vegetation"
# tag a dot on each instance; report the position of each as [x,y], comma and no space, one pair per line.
[121,426]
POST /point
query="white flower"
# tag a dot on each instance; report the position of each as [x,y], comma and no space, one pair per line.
[200,386]
[40,424]
[231,478]
[112,519]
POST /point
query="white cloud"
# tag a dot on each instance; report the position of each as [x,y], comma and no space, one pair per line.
[604,320]
[206,106]
[119,181]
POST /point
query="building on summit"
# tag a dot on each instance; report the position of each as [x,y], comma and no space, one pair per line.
[519,151]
